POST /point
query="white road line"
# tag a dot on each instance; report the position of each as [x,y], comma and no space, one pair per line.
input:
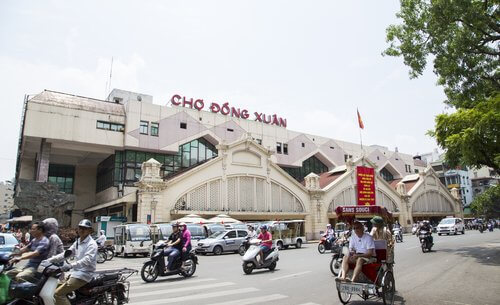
[310,304]
[181,289]
[197,296]
[141,284]
[290,275]
[265,298]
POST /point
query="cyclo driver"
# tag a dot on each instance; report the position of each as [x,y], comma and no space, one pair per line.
[361,251]
[85,251]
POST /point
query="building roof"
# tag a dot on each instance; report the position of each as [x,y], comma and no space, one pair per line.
[327,178]
[409,184]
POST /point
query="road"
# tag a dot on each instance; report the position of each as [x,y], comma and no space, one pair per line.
[463,269]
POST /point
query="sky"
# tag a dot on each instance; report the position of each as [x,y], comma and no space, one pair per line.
[311,62]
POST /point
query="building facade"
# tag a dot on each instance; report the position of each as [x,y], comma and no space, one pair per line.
[209,162]
[6,200]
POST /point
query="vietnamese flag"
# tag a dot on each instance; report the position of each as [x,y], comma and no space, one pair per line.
[360,121]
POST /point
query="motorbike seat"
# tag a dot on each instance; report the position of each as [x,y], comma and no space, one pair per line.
[100,279]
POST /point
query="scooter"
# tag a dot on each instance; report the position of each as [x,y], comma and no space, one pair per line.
[106,287]
[398,234]
[242,249]
[324,244]
[156,265]
[481,228]
[339,251]
[425,241]
[250,261]
[490,227]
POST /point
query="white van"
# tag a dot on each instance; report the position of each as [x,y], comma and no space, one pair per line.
[451,225]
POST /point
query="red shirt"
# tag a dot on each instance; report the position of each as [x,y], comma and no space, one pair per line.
[266,236]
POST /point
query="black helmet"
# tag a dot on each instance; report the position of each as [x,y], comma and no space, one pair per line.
[85,223]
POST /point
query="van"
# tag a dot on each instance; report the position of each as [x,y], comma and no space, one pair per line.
[451,225]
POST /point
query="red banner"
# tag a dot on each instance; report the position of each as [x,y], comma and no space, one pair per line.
[366,185]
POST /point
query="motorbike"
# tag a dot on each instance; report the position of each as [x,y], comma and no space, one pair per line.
[339,251]
[110,252]
[398,234]
[244,246]
[425,241]
[156,265]
[481,228]
[250,261]
[106,287]
[102,255]
[324,244]
[490,227]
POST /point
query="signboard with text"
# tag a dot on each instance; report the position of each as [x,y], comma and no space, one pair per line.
[365,177]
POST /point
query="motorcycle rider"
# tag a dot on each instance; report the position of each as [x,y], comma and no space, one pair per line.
[101,240]
[329,234]
[85,251]
[174,246]
[266,242]
[55,243]
[251,232]
[425,226]
[186,238]
[36,251]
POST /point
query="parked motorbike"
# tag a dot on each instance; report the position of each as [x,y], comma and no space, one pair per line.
[425,241]
[156,266]
[339,251]
[398,234]
[324,244]
[490,227]
[250,261]
[481,228]
[106,287]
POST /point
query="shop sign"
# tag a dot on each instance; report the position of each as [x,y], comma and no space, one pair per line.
[365,177]
[225,109]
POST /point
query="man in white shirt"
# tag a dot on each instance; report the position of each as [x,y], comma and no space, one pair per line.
[101,240]
[85,251]
[361,251]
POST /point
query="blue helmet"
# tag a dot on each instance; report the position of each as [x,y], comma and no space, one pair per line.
[263,227]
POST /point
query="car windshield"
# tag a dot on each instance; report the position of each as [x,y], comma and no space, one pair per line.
[217,234]
[166,230]
[139,233]
[447,221]
[8,239]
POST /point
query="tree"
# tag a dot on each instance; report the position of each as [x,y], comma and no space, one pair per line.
[462,39]
[462,36]
[471,136]
[487,204]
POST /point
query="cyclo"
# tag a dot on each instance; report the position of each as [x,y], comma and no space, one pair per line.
[376,279]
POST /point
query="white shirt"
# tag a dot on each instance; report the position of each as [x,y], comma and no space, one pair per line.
[362,244]
[85,253]
[101,240]
[252,234]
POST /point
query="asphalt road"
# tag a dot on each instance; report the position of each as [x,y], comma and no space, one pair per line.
[463,269]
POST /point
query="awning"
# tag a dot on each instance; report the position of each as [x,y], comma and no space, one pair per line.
[27,218]
[127,198]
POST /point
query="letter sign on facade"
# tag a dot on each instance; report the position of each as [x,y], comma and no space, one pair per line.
[365,177]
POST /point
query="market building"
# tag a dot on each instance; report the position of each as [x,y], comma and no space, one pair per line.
[128,157]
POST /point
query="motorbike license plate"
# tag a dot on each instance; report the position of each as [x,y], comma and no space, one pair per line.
[351,288]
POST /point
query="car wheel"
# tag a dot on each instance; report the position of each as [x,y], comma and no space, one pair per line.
[298,244]
[456,232]
[463,231]
[217,250]
[439,234]
[279,244]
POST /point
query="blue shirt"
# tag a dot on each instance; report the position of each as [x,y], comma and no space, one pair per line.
[42,247]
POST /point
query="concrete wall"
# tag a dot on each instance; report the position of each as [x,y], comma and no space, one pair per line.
[84,190]
[28,169]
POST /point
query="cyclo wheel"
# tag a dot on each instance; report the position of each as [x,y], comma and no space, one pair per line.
[101,257]
[335,265]
[344,297]
[388,288]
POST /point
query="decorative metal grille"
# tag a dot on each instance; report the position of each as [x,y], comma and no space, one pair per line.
[214,203]
[198,198]
[246,194]
[181,204]
[432,201]
[261,194]
[232,196]
[287,201]
[346,197]
[275,195]
[386,201]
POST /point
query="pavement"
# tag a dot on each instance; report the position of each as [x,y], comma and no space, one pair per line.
[460,270]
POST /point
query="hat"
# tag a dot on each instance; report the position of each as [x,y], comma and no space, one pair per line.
[85,223]
[377,220]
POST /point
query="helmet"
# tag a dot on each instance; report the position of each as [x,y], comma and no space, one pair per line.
[175,224]
[328,225]
[102,232]
[263,227]
[182,224]
[377,220]
[85,223]
[4,258]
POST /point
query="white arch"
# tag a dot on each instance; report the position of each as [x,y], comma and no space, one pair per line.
[432,201]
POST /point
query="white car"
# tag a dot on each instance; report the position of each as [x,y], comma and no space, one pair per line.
[451,225]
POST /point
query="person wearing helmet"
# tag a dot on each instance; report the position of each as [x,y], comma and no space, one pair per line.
[55,243]
[380,232]
[426,226]
[266,242]
[35,251]
[186,239]
[101,239]
[329,234]
[251,232]
[84,249]
[174,246]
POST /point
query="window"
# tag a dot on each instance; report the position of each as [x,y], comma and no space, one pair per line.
[278,147]
[154,129]
[110,126]
[378,158]
[259,141]
[311,165]
[386,175]
[242,233]
[408,168]
[303,144]
[331,147]
[416,171]
[285,148]
[231,234]
[63,176]
[347,157]
[183,126]
[143,129]
[230,129]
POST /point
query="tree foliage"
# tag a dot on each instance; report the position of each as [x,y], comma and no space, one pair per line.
[487,204]
[471,135]
[463,38]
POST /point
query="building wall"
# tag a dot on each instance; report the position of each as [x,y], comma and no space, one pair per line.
[6,200]
[84,190]
[28,169]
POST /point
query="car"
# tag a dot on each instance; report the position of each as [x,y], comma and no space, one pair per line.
[451,225]
[7,242]
[197,233]
[212,228]
[219,242]
[240,226]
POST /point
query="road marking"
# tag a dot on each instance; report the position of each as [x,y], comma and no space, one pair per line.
[141,284]
[290,275]
[458,303]
[181,289]
[266,298]
[197,296]
[310,304]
